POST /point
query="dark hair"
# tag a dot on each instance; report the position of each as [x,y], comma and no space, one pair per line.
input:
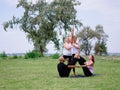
[93,59]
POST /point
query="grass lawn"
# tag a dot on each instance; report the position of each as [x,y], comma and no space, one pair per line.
[41,74]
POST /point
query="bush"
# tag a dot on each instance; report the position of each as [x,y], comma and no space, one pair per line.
[15,57]
[55,56]
[3,55]
[33,54]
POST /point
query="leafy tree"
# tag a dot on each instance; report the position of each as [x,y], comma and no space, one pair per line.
[37,22]
[100,46]
[41,20]
[86,35]
[65,15]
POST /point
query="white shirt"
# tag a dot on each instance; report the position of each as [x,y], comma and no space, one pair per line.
[74,49]
[66,51]
[90,68]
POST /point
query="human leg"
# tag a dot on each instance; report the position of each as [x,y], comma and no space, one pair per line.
[73,62]
[63,70]
[85,69]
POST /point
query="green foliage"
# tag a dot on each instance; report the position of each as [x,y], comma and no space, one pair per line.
[41,19]
[65,15]
[3,55]
[100,49]
[33,54]
[89,38]
[55,56]
[86,35]
[100,46]
[15,57]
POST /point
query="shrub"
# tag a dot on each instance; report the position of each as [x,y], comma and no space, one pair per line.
[15,57]
[55,56]
[3,55]
[33,54]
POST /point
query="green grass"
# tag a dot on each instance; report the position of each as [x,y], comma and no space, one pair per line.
[41,74]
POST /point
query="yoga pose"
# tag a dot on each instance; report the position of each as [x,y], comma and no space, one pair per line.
[70,48]
[63,69]
[87,66]
[75,47]
[71,53]
[67,49]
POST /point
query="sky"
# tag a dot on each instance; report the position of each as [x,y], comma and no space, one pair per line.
[90,13]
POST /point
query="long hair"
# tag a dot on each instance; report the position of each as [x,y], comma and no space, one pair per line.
[93,59]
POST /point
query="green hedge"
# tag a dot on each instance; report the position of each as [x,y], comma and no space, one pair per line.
[55,56]
[33,54]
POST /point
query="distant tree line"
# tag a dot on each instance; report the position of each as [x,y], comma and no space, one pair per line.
[44,22]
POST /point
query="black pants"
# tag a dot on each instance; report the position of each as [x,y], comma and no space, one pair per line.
[63,70]
[85,69]
[69,58]
[81,61]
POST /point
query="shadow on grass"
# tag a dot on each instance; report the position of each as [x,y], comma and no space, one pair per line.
[78,76]
[83,76]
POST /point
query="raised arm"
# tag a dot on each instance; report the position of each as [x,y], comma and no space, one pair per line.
[72,34]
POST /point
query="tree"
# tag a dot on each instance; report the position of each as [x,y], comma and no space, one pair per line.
[86,35]
[36,23]
[41,20]
[65,15]
[100,46]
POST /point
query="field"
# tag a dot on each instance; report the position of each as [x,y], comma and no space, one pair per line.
[41,74]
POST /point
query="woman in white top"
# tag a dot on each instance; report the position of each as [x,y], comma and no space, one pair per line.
[75,48]
[67,55]
[67,47]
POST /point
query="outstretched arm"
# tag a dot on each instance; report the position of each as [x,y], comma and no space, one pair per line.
[83,65]
[73,66]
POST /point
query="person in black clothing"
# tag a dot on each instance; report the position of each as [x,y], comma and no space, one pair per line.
[63,69]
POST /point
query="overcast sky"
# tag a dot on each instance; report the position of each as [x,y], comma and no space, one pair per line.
[90,12]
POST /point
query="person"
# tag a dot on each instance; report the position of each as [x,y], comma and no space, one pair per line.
[63,69]
[87,66]
[75,48]
[75,45]
[90,63]
[67,49]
